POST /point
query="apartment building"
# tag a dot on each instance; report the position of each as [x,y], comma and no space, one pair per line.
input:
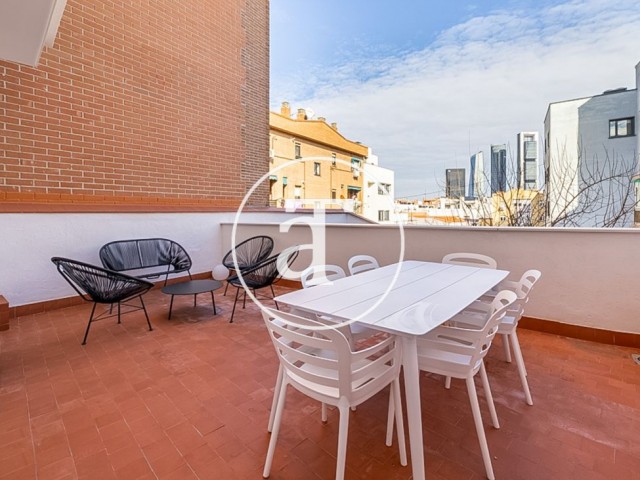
[590,157]
[310,160]
[498,168]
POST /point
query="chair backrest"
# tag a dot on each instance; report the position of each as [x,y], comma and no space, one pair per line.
[523,289]
[99,284]
[319,360]
[361,263]
[123,255]
[470,259]
[268,271]
[319,274]
[249,252]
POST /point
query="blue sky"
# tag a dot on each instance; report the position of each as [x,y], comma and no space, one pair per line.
[425,83]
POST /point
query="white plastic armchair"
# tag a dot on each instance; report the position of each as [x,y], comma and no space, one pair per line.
[319,274]
[459,352]
[361,263]
[318,362]
[470,259]
[507,328]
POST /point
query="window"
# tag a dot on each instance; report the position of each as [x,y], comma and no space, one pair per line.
[383,215]
[384,188]
[333,194]
[297,191]
[621,127]
[316,169]
[333,159]
[355,167]
[297,151]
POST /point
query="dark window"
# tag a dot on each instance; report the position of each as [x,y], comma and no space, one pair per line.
[333,159]
[621,127]
[298,154]
[383,215]
[316,169]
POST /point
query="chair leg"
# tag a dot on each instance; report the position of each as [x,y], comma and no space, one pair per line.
[144,309]
[323,413]
[119,321]
[477,419]
[225,289]
[343,433]
[522,371]
[447,383]
[276,428]
[234,305]
[86,333]
[390,418]
[489,396]
[272,291]
[505,345]
[244,299]
[402,448]
[274,402]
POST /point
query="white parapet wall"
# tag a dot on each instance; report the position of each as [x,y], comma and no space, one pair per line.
[589,277]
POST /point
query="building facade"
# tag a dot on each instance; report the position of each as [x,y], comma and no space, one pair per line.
[498,168]
[311,161]
[590,157]
[378,191]
[528,155]
[476,176]
[139,121]
[455,182]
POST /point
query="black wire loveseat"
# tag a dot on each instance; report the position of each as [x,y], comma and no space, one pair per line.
[146,258]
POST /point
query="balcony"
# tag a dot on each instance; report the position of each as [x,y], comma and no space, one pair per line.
[191,398]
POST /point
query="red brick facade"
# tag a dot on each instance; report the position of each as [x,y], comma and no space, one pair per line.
[159,104]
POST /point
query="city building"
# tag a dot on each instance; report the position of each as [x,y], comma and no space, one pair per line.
[455,182]
[518,207]
[378,191]
[476,176]
[498,168]
[528,154]
[329,168]
[590,157]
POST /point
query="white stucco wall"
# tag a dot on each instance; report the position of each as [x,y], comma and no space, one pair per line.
[588,274]
[30,240]
[372,200]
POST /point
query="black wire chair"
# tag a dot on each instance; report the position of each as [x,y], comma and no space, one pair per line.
[140,257]
[100,285]
[249,252]
[262,275]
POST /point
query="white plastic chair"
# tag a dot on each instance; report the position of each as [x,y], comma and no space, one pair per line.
[470,259]
[318,362]
[361,263]
[319,274]
[507,328]
[459,352]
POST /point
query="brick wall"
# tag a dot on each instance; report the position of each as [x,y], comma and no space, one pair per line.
[155,104]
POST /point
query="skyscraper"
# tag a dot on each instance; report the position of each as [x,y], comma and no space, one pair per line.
[498,168]
[455,182]
[476,176]
[528,160]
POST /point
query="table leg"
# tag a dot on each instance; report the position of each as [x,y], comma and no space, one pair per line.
[170,307]
[414,415]
[213,301]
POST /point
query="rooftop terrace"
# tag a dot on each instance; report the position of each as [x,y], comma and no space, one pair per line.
[191,399]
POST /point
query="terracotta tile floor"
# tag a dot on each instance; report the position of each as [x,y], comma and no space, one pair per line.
[191,400]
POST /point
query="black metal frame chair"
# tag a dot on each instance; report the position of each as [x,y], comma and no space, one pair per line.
[263,275]
[100,285]
[139,256]
[249,252]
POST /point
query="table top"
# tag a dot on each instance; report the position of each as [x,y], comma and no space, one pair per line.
[410,297]
[191,287]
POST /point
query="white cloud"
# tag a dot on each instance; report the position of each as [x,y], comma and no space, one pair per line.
[479,83]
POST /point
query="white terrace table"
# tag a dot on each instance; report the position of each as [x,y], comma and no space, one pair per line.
[441,290]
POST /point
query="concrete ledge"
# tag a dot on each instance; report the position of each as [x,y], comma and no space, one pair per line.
[4,314]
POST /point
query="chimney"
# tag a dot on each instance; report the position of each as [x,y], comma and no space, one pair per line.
[334,125]
[302,115]
[322,119]
[285,109]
